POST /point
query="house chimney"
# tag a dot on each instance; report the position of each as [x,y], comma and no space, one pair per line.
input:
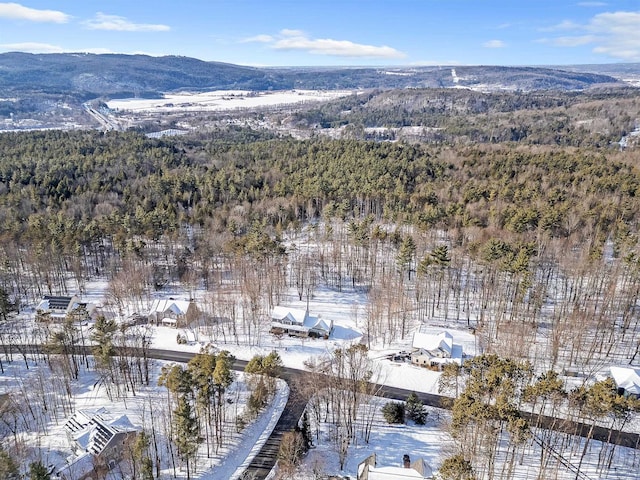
[406,461]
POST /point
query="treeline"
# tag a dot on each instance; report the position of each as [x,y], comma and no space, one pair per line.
[582,119]
[75,188]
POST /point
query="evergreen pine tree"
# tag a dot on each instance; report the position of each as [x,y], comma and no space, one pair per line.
[37,471]
[415,409]
[186,432]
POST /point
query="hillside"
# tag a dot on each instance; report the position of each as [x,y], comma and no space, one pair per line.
[48,90]
[109,75]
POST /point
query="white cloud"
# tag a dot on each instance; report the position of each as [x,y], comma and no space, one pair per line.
[103,21]
[494,44]
[288,32]
[297,40]
[31,47]
[618,34]
[15,11]
[562,26]
[259,39]
[615,34]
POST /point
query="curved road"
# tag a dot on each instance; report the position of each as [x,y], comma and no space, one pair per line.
[265,460]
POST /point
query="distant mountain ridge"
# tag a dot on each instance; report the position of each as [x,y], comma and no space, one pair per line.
[116,75]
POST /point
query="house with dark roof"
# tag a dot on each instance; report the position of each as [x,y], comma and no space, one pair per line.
[95,437]
[57,307]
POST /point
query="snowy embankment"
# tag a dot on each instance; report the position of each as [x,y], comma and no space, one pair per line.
[253,438]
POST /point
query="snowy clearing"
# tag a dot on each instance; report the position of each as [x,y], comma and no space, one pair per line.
[223,100]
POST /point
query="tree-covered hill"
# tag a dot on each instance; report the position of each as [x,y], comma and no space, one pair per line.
[597,118]
[116,75]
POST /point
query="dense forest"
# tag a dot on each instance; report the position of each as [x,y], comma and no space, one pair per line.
[84,187]
[595,118]
[444,225]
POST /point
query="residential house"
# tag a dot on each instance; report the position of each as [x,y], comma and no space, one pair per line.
[435,350]
[173,313]
[298,323]
[627,380]
[57,308]
[96,438]
[417,470]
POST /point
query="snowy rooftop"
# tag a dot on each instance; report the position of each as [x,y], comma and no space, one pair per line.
[162,305]
[627,378]
[392,473]
[293,315]
[298,319]
[430,342]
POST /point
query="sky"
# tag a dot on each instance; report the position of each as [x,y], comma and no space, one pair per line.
[332,32]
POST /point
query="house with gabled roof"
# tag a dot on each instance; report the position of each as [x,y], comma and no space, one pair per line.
[171,312]
[95,436]
[298,323]
[57,307]
[435,350]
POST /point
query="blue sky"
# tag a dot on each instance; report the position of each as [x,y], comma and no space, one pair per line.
[332,32]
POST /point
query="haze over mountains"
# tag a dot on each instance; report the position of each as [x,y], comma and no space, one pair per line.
[90,76]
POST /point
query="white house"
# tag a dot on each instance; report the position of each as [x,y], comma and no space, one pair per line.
[627,380]
[170,312]
[431,350]
[299,323]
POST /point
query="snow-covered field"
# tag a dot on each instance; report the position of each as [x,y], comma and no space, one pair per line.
[223,100]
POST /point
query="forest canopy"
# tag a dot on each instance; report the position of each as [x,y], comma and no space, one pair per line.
[71,186]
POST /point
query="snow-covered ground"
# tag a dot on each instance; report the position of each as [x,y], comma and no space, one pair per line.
[53,448]
[223,100]
[347,309]
[432,443]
